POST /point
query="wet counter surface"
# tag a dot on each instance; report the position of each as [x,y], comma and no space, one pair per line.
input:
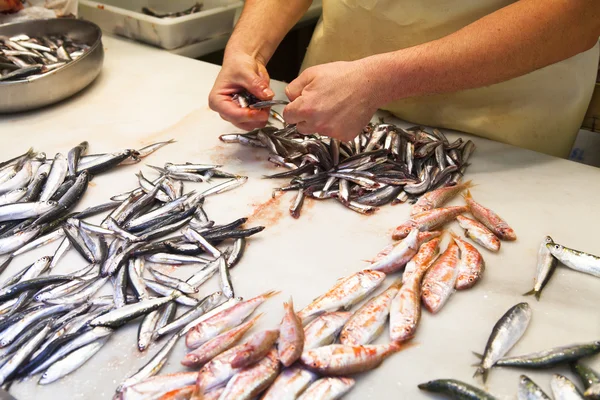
[144,95]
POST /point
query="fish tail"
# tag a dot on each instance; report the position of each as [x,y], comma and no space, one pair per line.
[469,184]
[538,294]
[467,196]
[531,292]
[289,304]
[478,355]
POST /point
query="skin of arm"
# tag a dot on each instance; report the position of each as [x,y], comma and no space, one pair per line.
[338,99]
[261,27]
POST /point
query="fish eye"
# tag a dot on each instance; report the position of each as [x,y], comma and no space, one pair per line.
[471,279]
[557,246]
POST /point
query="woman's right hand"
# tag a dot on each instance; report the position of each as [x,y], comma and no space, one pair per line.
[241,72]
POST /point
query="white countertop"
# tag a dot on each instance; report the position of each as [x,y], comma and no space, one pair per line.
[145,95]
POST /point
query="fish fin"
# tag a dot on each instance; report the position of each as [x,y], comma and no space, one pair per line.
[254,320]
[538,294]
[531,292]
[483,372]
[270,293]
[478,355]
[469,184]
[289,305]
[467,197]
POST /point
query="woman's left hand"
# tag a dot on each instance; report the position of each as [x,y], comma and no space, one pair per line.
[336,99]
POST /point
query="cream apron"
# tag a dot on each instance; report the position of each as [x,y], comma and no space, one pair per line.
[541,111]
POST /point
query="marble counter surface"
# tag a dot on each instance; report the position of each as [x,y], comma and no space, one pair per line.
[145,95]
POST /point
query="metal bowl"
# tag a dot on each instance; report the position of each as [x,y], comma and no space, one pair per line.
[63,82]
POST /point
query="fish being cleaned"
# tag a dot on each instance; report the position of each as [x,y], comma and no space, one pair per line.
[505,334]
[345,293]
[574,259]
[478,233]
[490,219]
[546,265]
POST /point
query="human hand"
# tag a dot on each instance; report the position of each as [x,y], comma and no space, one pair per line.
[241,72]
[334,99]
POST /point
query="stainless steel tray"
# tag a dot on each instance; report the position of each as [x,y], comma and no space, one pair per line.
[62,82]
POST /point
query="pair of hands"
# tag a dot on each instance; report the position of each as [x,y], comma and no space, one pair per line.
[333,99]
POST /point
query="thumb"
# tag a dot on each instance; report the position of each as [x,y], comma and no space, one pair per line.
[258,85]
[294,89]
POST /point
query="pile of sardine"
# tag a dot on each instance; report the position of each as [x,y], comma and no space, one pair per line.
[506,333]
[52,323]
[383,164]
[315,352]
[24,58]
[192,10]
[550,253]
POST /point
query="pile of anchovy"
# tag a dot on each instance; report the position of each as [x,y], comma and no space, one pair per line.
[52,323]
[506,333]
[24,58]
[384,164]
[192,10]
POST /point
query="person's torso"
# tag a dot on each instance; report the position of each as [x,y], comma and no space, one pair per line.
[541,110]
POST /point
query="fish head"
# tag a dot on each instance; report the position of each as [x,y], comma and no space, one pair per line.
[548,239]
[507,233]
[403,230]
[465,281]
[555,248]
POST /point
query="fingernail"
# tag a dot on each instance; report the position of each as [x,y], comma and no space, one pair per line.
[268,92]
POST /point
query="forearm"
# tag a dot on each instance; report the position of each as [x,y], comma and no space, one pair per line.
[263,25]
[513,41]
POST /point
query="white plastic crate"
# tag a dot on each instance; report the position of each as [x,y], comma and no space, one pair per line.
[125,18]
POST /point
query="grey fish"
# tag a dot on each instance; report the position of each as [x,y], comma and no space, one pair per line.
[546,265]
[56,177]
[153,366]
[587,376]
[71,362]
[23,353]
[551,357]
[505,334]
[528,390]
[564,389]
[456,389]
[574,259]
[205,305]
[124,314]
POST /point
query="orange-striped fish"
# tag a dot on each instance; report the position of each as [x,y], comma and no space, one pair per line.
[253,380]
[428,220]
[471,266]
[423,237]
[440,279]
[490,219]
[224,321]
[291,340]
[216,346]
[425,256]
[368,322]
[324,329]
[399,256]
[345,293]
[338,359]
[478,233]
[439,197]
